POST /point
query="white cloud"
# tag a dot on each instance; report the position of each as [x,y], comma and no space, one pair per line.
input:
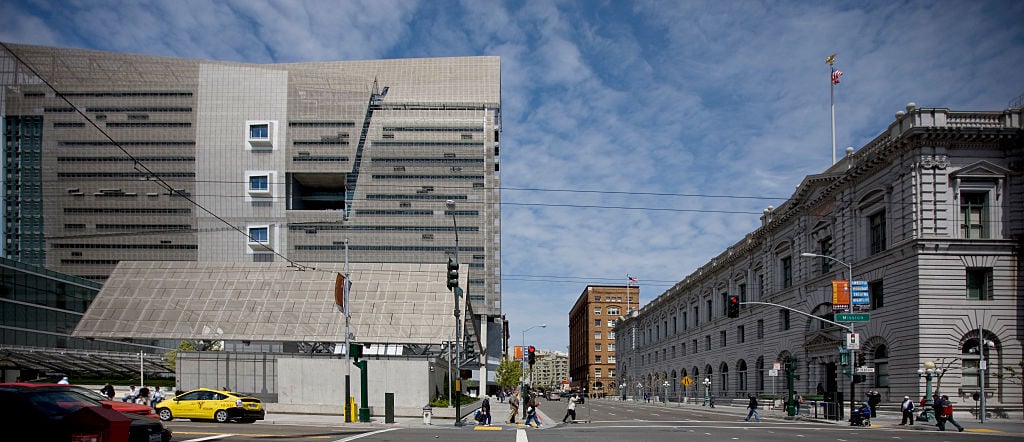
[696,97]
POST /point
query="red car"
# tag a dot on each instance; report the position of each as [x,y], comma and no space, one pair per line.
[123,407]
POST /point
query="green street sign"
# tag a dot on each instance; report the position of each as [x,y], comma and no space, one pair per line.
[853,317]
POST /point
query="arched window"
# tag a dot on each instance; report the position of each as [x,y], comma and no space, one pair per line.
[723,376]
[971,357]
[741,376]
[759,367]
[881,359]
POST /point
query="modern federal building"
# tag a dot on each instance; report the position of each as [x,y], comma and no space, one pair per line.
[929,215]
[112,158]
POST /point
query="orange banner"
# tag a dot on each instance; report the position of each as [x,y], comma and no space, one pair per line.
[840,295]
[517,353]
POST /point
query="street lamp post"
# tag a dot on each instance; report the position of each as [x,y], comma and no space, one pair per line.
[928,372]
[523,363]
[666,392]
[639,391]
[853,353]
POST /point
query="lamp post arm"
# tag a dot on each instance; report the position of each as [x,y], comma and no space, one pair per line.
[850,328]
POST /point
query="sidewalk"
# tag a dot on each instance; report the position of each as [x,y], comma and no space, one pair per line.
[887,417]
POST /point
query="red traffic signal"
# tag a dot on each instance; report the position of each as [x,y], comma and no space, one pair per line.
[531,355]
[733,310]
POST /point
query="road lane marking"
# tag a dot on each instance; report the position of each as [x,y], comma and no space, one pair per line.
[521,435]
[351,438]
[219,436]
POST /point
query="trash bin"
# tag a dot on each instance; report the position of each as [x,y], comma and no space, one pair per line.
[428,412]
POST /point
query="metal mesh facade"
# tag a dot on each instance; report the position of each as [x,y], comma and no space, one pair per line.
[139,158]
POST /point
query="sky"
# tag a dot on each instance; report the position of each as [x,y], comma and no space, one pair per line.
[639,138]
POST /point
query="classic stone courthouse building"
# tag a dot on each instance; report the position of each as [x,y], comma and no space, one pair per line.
[930,214]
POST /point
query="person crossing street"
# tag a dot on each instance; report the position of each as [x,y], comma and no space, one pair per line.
[570,411]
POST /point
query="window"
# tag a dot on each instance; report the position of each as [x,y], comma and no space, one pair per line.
[682,349]
[259,135]
[597,359]
[725,303]
[597,347]
[760,329]
[881,359]
[876,294]
[722,338]
[259,131]
[597,323]
[709,309]
[694,345]
[743,293]
[741,334]
[877,223]
[597,372]
[972,215]
[258,183]
[613,311]
[684,321]
[696,316]
[675,325]
[597,335]
[783,319]
[979,283]
[611,347]
[611,371]
[707,342]
[597,310]
[611,323]
[259,235]
[673,351]
[787,271]
[611,335]
[825,249]
[259,240]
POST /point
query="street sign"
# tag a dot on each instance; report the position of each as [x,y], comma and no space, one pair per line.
[853,317]
[686,381]
[773,373]
[865,369]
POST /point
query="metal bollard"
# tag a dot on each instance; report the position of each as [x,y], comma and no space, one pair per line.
[428,411]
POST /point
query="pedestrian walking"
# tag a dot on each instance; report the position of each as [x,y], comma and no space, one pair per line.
[907,407]
[797,400]
[940,420]
[570,411]
[531,413]
[752,405]
[513,408]
[947,414]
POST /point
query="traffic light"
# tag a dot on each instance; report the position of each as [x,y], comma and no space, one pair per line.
[859,378]
[531,355]
[453,274]
[734,307]
[465,373]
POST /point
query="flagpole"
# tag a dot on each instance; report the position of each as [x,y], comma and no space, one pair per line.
[832,100]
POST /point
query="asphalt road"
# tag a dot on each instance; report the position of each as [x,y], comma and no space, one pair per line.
[608,421]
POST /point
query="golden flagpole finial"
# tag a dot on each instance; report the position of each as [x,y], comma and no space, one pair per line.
[831,59]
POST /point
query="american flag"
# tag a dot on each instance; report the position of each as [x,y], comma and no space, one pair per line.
[632,279]
[835,76]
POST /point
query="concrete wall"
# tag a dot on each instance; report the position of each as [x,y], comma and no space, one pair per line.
[313,384]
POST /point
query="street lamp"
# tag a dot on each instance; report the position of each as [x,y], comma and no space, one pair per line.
[928,372]
[665,384]
[639,391]
[707,391]
[853,353]
[456,292]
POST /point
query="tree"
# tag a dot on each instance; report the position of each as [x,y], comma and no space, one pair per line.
[942,366]
[172,355]
[509,373]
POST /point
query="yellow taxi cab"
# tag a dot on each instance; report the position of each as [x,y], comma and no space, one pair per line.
[218,405]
